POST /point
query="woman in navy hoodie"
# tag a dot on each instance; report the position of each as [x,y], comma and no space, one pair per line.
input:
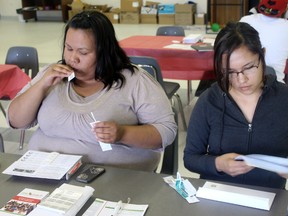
[244,112]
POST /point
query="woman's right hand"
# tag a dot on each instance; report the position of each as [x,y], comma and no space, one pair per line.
[226,163]
[54,74]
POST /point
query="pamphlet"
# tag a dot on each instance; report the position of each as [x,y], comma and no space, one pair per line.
[102,207]
[46,165]
[66,200]
[267,162]
[24,202]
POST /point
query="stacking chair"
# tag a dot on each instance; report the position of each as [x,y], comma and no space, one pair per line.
[151,65]
[170,31]
[25,58]
[173,31]
[1,143]
[170,156]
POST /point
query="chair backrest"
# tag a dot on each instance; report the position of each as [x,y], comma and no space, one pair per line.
[170,31]
[150,65]
[25,58]
[1,143]
[170,156]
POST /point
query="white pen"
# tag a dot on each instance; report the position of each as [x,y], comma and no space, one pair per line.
[117,208]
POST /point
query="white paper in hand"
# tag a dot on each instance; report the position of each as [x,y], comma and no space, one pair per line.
[267,162]
[104,146]
[72,76]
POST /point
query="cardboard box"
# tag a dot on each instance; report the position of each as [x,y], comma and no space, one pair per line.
[100,8]
[127,17]
[184,14]
[71,13]
[166,9]
[113,17]
[184,18]
[149,19]
[131,5]
[185,8]
[166,19]
[200,19]
[148,10]
[152,4]
[77,5]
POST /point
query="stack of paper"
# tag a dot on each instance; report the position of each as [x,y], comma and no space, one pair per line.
[236,195]
[66,200]
[193,38]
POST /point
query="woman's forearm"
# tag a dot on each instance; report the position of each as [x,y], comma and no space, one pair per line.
[144,136]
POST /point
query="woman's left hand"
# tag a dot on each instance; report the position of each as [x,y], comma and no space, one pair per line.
[108,131]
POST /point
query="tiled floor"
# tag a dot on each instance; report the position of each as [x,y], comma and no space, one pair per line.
[47,38]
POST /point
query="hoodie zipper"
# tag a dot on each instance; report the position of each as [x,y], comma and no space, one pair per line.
[249,135]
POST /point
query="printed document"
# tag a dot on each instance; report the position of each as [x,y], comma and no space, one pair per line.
[46,165]
[66,200]
[102,207]
[267,162]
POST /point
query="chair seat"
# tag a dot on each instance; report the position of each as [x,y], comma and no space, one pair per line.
[171,88]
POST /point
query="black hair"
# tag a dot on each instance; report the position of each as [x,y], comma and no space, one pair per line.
[231,37]
[111,58]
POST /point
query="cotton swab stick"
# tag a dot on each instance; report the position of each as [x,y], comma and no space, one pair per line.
[93,116]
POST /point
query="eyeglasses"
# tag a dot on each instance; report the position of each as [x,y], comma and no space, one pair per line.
[247,71]
[268,11]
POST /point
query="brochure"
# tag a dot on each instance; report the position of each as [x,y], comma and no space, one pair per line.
[46,165]
[102,207]
[66,200]
[24,202]
[267,162]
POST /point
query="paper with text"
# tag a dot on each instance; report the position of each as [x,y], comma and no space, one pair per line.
[102,207]
[46,165]
[267,162]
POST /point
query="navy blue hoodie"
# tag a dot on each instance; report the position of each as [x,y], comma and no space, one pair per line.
[217,126]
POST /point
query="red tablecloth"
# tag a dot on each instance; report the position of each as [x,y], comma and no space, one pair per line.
[12,80]
[175,63]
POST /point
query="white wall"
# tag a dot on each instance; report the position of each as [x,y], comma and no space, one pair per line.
[8,7]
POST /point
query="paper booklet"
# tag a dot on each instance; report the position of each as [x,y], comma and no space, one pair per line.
[102,207]
[66,200]
[24,202]
[270,163]
[46,165]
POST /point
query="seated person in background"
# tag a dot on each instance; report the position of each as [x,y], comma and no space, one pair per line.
[244,112]
[273,32]
[134,112]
